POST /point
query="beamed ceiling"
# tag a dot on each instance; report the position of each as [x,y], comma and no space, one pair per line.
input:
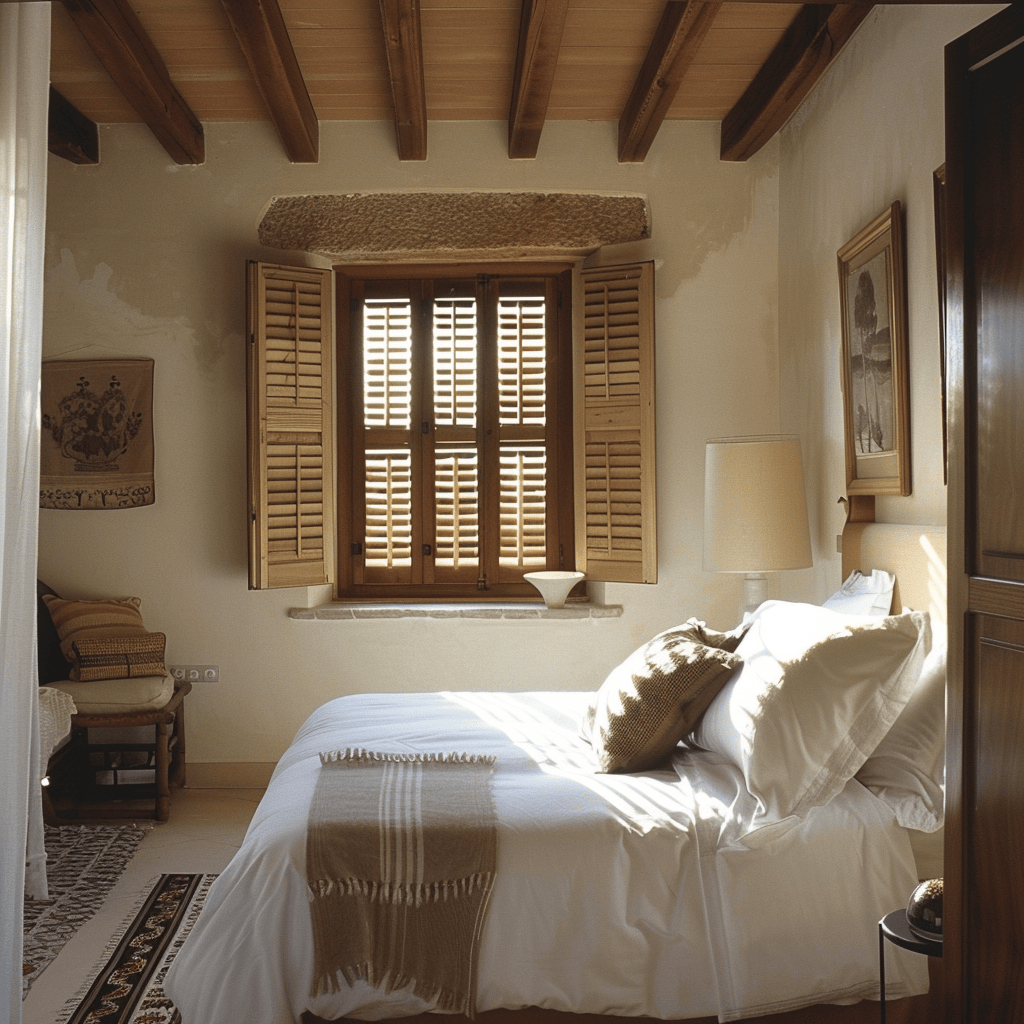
[176,65]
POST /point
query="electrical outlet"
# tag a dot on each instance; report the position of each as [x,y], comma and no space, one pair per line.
[195,673]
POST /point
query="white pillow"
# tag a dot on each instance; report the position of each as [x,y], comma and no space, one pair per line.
[816,693]
[864,595]
[907,768]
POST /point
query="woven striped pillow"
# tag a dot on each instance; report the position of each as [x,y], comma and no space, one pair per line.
[649,702]
[119,657]
[94,619]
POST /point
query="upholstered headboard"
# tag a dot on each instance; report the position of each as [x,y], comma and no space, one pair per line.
[917,555]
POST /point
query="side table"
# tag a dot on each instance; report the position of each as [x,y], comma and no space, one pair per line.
[896,929]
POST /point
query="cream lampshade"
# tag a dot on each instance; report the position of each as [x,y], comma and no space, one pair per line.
[755,510]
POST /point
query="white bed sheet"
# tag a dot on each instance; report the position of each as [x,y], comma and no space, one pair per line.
[633,895]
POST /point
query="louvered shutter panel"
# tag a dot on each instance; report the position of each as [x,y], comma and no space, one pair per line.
[291,489]
[522,400]
[455,459]
[614,425]
[457,509]
[523,507]
[389,511]
[388,502]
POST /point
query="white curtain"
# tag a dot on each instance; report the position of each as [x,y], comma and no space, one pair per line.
[24,96]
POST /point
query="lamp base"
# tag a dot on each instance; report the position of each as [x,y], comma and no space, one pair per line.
[755,593]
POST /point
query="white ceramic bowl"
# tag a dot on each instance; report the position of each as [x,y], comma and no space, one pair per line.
[554,584]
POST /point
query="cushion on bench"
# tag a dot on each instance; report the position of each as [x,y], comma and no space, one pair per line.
[118,696]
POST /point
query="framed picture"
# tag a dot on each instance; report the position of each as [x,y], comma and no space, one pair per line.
[939,195]
[876,384]
[96,448]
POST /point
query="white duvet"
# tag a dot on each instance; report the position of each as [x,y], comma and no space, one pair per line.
[633,895]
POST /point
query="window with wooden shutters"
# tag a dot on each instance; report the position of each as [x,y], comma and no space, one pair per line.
[463,424]
[615,538]
[457,424]
[291,484]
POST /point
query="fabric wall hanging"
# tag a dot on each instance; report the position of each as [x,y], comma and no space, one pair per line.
[97,437]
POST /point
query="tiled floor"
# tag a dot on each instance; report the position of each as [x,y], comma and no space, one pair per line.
[205,828]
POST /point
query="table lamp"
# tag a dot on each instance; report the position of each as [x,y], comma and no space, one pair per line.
[755,510]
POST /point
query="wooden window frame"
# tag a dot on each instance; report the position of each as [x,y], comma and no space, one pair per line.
[559,440]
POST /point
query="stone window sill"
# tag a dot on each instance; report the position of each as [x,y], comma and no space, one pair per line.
[455,610]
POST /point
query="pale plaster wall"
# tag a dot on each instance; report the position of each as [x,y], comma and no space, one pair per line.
[871,132]
[146,258]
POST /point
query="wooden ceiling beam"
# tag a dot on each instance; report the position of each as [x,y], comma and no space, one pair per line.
[118,39]
[872,3]
[683,26]
[263,37]
[403,42]
[540,39]
[72,135]
[792,69]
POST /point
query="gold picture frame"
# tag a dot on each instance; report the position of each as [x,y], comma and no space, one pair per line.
[939,199]
[876,382]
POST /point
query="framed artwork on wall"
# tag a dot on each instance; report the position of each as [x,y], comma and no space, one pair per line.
[939,195]
[96,447]
[876,383]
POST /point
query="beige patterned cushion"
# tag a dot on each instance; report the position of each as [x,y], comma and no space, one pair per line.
[649,702]
[119,657]
[94,619]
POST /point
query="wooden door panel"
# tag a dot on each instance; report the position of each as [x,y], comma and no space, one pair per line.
[995,206]
[993,828]
[983,913]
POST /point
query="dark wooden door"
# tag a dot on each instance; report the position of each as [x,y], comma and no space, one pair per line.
[984,884]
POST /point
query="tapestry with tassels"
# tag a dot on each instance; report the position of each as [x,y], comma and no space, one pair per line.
[400,859]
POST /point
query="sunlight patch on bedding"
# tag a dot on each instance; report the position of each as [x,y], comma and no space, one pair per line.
[644,804]
[531,728]
[722,805]
[651,801]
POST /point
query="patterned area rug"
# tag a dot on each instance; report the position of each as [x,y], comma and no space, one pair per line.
[82,864]
[128,988]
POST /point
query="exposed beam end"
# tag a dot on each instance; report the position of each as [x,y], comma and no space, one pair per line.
[792,69]
[71,135]
[113,30]
[308,157]
[300,136]
[412,142]
[186,145]
[524,141]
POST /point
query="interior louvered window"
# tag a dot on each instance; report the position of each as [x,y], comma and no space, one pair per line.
[615,539]
[291,487]
[458,423]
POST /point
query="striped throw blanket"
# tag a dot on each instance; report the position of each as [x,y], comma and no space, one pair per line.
[400,859]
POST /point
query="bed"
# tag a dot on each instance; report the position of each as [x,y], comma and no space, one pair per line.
[716,876]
